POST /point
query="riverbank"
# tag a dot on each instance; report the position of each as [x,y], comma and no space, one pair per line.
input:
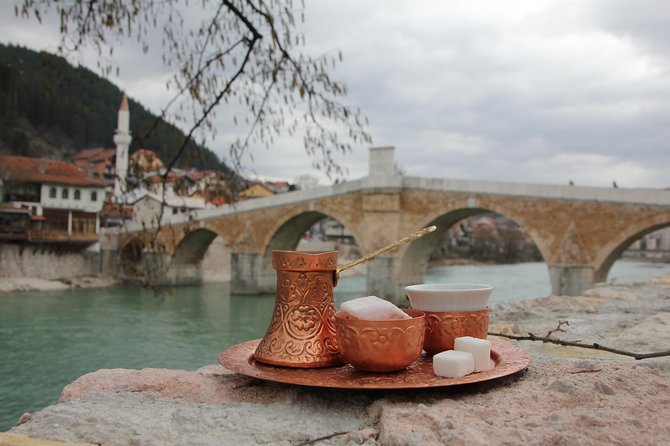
[567,395]
[19,284]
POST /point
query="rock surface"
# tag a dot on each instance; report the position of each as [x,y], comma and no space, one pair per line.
[634,317]
[567,395]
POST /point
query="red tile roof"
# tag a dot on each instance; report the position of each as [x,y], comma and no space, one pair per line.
[196,176]
[116,210]
[215,199]
[94,155]
[218,201]
[37,170]
[146,160]
[155,179]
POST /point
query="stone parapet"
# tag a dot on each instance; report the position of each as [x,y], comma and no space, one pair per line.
[554,402]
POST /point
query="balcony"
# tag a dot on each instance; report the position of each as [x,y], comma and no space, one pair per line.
[56,236]
[12,235]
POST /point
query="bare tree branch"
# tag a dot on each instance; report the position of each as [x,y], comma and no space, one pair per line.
[289,79]
[244,57]
[593,346]
[559,328]
[324,437]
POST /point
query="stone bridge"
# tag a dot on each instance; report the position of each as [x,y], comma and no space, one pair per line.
[580,231]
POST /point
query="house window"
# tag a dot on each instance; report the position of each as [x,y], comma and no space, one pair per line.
[77,194]
[94,196]
[52,192]
[21,192]
[65,194]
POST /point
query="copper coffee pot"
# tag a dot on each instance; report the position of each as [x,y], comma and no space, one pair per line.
[302,330]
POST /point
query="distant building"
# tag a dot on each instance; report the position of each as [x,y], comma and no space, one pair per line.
[331,230]
[255,190]
[14,222]
[98,163]
[211,186]
[146,206]
[110,164]
[61,200]
[279,187]
[137,182]
[655,245]
[145,161]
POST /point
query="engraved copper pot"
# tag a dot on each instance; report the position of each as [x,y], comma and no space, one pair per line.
[302,330]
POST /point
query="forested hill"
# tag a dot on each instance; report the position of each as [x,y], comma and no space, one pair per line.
[50,108]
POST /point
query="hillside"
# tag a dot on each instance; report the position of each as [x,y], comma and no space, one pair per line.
[52,109]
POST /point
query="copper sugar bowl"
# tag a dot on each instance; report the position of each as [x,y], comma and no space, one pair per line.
[302,330]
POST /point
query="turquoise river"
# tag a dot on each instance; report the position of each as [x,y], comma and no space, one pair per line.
[48,339]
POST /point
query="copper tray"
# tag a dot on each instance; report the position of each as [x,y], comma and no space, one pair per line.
[507,357]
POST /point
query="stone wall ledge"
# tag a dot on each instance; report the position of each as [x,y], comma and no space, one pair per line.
[570,401]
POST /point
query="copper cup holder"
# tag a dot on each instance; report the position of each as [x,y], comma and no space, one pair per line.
[442,327]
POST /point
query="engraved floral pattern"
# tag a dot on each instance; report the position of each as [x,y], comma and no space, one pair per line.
[303,322]
[303,318]
[381,339]
[277,318]
[379,348]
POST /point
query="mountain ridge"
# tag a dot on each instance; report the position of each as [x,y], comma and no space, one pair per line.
[49,108]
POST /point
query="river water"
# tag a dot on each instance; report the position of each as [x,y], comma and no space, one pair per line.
[48,339]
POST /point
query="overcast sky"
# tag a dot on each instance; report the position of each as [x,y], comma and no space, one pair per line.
[541,91]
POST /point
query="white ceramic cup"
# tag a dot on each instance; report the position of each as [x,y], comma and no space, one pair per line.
[449,296]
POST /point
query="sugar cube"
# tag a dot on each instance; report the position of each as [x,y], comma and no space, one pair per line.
[480,349]
[453,364]
[372,308]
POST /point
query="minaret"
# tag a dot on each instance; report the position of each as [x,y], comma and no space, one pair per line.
[122,140]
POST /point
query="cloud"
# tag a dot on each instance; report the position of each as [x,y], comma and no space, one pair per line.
[535,80]
[592,170]
[536,90]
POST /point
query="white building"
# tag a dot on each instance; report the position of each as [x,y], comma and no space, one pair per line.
[149,207]
[58,194]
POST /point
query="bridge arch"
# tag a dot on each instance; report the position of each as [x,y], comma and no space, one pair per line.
[414,261]
[192,247]
[613,250]
[143,258]
[287,233]
[202,255]
[130,257]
